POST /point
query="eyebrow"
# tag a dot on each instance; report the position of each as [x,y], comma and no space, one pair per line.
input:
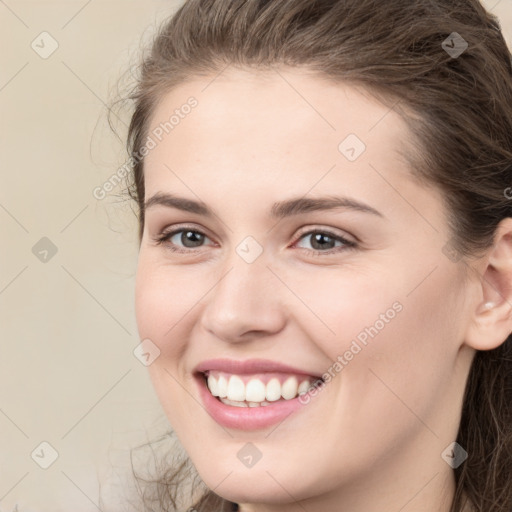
[279,210]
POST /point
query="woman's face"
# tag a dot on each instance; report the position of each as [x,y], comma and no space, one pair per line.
[269,270]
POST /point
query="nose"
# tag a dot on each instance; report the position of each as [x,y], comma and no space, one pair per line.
[245,303]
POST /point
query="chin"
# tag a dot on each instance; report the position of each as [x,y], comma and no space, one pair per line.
[266,485]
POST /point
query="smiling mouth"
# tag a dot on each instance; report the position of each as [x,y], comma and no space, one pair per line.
[257,390]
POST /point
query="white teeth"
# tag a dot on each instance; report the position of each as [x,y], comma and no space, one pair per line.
[233,402]
[212,385]
[254,393]
[222,387]
[236,389]
[273,390]
[303,387]
[290,388]
[243,404]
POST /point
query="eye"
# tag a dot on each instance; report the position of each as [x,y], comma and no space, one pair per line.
[186,239]
[324,242]
[190,238]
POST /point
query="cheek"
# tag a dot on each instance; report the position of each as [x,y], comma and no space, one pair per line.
[389,342]
[338,307]
[163,298]
[164,301]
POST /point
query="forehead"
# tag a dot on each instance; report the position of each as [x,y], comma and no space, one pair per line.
[275,118]
[278,96]
[260,138]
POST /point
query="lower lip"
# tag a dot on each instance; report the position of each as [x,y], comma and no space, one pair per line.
[246,418]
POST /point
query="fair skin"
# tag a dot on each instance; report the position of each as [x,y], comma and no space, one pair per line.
[372,439]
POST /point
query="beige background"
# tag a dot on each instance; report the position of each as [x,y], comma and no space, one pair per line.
[68,375]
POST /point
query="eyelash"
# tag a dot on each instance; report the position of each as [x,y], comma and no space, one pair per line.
[164,237]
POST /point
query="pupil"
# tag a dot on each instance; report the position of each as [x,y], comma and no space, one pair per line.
[193,237]
[318,237]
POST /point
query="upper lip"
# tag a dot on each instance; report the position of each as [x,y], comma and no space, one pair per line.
[249,366]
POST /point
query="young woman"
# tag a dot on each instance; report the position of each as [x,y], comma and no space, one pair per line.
[325,268]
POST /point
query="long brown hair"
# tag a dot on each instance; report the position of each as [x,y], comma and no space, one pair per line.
[459,112]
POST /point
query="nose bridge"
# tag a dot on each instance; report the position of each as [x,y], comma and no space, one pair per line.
[244,299]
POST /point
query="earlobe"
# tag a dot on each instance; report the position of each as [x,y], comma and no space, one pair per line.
[492,317]
[486,307]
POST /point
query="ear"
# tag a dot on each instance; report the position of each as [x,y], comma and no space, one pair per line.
[491,320]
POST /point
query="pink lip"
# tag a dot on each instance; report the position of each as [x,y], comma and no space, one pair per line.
[245,418]
[249,366]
